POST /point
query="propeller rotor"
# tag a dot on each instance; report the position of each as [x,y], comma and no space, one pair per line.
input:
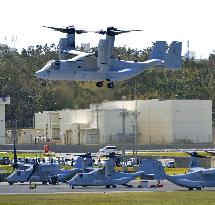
[67,30]
[195,154]
[112,31]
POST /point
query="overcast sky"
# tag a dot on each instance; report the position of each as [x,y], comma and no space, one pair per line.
[168,20]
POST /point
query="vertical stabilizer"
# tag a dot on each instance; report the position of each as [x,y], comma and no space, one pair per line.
[153,167]
[158,50]
[173,57]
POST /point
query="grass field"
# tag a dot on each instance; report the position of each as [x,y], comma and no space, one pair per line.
[166,154]
[136,198]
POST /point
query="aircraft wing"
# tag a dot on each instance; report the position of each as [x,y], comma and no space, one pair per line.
[208,171]
[75,52]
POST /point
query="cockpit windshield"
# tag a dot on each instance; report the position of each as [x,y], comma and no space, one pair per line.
[55,65]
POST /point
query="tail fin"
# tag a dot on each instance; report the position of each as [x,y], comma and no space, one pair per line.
[173,57]
[159,50]
[194,160]
[153,168]
[79,162]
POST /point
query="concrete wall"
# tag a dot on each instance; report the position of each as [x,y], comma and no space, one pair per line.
[154,122]
[191,121]
[27,136]
[111,126]
[3,102]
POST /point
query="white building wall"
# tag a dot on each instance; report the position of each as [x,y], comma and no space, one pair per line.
[2,124]
[3,102]
[192,121]
[129,105]
[158,122]
[111,126]
[154,121]
[58,122]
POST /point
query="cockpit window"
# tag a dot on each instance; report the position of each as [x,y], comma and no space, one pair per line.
[55,65]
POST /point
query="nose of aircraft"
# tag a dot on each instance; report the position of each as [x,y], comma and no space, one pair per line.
[41,74]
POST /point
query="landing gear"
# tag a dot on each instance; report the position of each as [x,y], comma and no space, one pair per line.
[114,186]
[43,83]
[199,188]
[110,85]
[190,188]
[108,186]
[10,183]
[99,84]
[73,187]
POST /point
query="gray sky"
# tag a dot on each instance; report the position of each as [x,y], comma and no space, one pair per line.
[168,20]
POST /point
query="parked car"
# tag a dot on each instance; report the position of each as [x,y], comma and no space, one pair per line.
[107,150]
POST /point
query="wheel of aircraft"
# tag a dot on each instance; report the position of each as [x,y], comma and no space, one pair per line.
[199,188]
[190,189]
[114,186]
[107,186]
[110,85]
[43,84]
[73,187]
[99,84]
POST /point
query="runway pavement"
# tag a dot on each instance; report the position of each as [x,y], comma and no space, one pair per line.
[19,188]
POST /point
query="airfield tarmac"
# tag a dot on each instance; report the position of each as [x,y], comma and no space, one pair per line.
[19,188]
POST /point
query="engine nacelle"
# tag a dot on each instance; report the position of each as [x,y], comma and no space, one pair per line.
[104,57]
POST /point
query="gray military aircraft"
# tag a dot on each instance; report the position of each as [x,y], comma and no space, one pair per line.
[82,164]
[102,66]
[108,177]
[197,177]
[45,172]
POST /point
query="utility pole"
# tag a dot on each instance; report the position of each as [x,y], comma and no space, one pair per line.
[97,117]
[136,116]
[124,114]
[133,140]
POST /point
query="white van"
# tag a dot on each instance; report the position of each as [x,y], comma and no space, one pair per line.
[107,150]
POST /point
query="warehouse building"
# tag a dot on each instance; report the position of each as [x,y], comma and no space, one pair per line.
[141,121]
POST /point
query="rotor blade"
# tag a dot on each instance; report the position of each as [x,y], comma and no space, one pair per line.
[68,30]
[81,31]
[63,30]
[127,31]
[195,154]
[100,32]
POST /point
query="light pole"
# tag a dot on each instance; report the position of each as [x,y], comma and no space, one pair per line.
[124,114]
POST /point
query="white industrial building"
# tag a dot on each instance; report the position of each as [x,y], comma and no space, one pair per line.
[154,121]
[3,102]
[170,121]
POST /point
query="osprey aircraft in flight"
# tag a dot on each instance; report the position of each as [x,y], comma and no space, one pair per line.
[102,66]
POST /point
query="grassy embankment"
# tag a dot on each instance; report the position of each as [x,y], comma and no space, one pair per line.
[149,198]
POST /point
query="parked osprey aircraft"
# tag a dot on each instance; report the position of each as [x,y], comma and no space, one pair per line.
[102,66]
[46,172]
[197,177]
[108,177]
